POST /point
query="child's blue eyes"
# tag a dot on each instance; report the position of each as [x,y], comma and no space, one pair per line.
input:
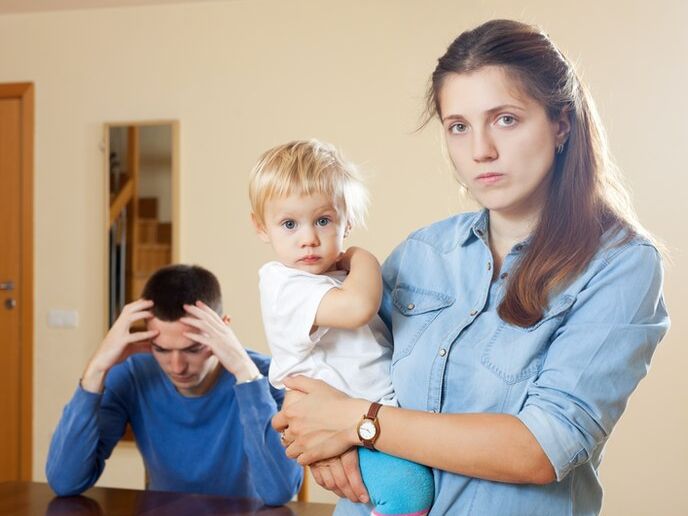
[291,224]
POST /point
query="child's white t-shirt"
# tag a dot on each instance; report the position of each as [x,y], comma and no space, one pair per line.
[356,362]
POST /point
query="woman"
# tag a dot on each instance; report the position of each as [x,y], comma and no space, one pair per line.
[519,331]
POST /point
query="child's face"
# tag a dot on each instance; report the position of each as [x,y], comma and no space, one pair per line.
[305,231]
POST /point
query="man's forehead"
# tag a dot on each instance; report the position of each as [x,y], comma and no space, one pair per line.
[171,334]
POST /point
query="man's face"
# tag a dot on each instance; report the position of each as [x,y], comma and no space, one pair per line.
[188,365]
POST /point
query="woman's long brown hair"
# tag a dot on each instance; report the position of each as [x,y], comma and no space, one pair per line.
[585,199]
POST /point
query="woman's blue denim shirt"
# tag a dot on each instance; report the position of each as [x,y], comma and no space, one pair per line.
[567,377]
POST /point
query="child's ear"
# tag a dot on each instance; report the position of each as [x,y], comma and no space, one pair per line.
[260,229]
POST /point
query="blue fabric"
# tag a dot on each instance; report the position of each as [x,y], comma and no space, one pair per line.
[218,443]
[568,377]
[395,486]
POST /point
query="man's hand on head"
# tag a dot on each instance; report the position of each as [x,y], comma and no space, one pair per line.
[118,344]
[215,332]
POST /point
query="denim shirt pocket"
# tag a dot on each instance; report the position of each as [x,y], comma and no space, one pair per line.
[514,353]
[414,310]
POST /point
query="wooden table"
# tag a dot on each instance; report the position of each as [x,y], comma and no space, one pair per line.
[37,499]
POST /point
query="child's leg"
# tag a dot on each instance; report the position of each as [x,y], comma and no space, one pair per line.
[396,486]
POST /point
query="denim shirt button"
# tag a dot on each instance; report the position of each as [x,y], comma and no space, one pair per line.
[410,306]
[489,266]
[503,275]
[473,312]
[443,352]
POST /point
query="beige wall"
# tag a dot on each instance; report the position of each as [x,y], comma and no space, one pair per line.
[244,75]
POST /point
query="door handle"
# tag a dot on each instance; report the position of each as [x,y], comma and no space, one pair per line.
[7,285]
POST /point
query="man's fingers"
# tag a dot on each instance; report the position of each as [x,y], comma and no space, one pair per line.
[202,312]
[141,335]
[139,304]
[195,322]
[199,338]
[137,316]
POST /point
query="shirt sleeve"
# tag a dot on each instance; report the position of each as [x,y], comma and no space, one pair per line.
[390,271]
[597,358]
[276,477]
[290,299]
[90,427]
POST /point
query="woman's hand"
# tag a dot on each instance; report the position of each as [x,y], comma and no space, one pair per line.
[342,476]
[322,424]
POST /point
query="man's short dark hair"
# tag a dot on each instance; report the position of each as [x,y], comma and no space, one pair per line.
[176,285]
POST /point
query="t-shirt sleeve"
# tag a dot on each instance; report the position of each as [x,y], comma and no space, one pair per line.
[289,300]
[292,300]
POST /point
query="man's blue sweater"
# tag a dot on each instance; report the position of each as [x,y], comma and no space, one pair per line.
[219,443]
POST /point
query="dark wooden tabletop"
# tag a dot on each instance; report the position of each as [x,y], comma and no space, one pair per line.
[37,499]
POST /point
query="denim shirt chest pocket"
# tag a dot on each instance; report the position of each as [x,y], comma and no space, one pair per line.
[514,353]
[414,310]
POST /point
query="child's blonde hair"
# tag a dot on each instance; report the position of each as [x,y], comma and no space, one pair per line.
[307,167]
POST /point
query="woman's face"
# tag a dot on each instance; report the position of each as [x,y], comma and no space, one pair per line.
[501,141]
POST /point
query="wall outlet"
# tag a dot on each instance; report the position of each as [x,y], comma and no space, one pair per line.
[63,318]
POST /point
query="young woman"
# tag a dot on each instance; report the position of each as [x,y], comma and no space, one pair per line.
[519,331]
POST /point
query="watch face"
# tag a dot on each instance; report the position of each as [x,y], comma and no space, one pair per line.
[367,430]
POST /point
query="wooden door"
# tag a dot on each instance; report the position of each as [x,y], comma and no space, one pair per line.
[16,312]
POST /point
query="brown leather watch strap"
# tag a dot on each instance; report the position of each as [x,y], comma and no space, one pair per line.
[373,410]
[371,416]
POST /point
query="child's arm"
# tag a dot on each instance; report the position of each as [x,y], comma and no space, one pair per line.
[358,299]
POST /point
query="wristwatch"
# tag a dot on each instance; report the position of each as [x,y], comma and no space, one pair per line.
[369,428]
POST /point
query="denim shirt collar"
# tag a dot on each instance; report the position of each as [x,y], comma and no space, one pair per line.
[478,228]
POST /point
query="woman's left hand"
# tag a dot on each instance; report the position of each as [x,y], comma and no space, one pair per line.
[322,424]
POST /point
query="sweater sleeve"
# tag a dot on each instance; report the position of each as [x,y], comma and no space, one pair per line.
[276,477]
[90,427]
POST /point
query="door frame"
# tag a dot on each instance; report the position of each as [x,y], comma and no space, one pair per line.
[24,92]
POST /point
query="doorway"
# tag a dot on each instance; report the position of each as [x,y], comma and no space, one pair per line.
[16,280]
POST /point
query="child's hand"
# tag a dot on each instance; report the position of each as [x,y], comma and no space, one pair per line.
[344,262]
[215,333]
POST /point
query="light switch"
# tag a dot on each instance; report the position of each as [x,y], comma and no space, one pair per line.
[63,318]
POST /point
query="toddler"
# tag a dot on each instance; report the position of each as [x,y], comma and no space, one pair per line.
[319,303]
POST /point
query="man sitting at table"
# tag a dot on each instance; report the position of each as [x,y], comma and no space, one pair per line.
[197,401]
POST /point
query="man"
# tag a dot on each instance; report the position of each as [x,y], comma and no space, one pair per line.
[197,401]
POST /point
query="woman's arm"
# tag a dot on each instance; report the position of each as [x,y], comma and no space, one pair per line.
[496,447]
[600,352]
